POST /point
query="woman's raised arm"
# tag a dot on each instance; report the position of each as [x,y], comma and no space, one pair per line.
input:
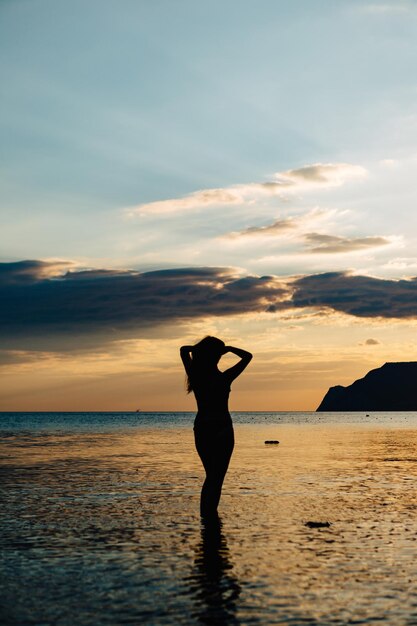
[245,358]
[185,352]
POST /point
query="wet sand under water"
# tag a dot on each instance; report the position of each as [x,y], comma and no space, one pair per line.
[103,528]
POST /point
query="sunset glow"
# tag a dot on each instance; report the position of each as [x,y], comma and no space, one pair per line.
[245,170]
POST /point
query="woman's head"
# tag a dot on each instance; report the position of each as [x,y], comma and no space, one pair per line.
[208,351]
[205,356]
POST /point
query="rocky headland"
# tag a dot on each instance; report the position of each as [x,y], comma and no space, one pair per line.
[392,387]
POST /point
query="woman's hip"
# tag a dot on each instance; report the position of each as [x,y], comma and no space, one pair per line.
[214,434]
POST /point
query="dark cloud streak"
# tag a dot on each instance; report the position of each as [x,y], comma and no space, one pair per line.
[97,300]
[360,296]
[39,301]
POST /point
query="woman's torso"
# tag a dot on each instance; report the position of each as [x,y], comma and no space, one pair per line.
[212,397]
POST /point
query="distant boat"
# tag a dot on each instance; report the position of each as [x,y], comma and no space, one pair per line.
[138,410]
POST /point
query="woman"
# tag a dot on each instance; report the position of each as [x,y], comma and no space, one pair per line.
[213,428]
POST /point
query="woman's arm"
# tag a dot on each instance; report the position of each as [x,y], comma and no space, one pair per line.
[245,358]
[185,352]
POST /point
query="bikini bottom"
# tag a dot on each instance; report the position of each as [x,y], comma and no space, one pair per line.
[214,436]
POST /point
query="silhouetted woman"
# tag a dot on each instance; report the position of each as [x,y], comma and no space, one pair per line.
[213,428]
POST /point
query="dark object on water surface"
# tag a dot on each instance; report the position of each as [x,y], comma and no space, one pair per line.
[317,524]
[271,441]
[391,387]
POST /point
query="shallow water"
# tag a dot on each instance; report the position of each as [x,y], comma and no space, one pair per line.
[111,421]
[100,525]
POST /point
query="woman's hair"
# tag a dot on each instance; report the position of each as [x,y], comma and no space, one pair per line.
[204,355]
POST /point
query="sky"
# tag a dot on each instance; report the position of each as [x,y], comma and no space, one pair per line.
[172,169]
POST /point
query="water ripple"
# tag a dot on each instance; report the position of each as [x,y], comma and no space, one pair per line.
[102,528]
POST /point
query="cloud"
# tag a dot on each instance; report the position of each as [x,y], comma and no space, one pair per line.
[27,271]
[18,357]
[401,264]
[283,226]
[360,296]
[324,174]
[100,306]
[198,199]
[318,175]
[105,300]
[331,244]
[276,228]
[294,228]
[372,342]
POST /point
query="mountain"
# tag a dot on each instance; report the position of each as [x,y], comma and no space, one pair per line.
[392,387]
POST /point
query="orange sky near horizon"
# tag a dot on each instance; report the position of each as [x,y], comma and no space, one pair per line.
[294,364]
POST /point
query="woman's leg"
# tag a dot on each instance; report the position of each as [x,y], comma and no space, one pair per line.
[215,450]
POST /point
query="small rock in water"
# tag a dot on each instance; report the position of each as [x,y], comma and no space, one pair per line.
[271,441]
[317,524]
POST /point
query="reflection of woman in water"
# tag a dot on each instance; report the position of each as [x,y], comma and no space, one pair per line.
[214,584]
[213,428]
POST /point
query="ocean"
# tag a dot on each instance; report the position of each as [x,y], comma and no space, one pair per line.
[100,523]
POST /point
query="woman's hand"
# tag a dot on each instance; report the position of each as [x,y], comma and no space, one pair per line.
[243,354]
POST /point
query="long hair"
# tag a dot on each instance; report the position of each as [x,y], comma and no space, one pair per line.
[204,357]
